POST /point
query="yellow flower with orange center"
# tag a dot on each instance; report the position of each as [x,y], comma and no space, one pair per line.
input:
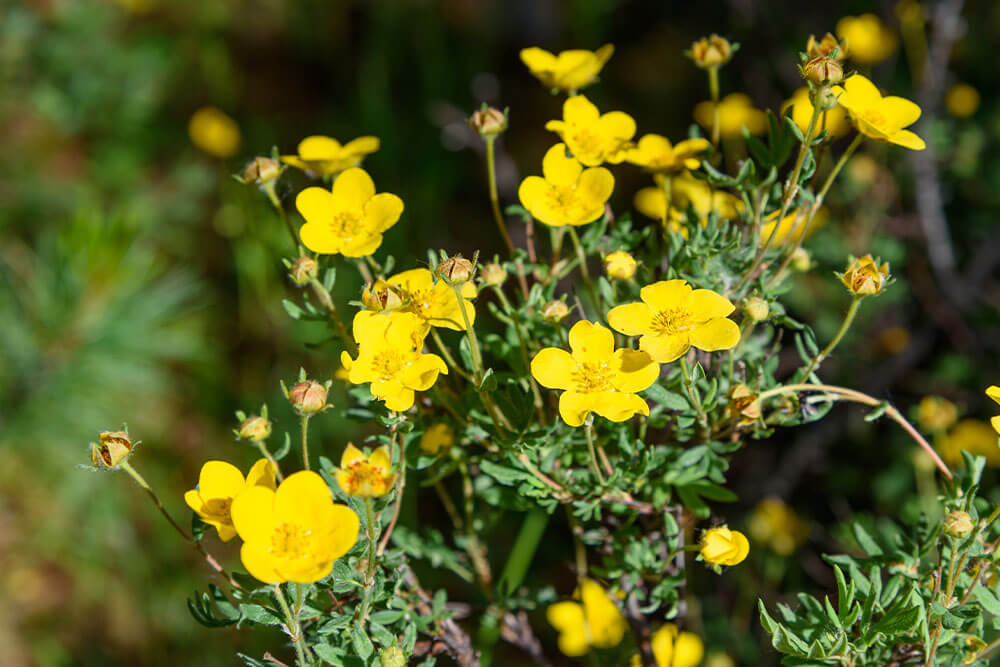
[294,533]
[366,476]
[834,121]
[594,377]
[349,219]
[591,620]
[325,156]
[656,154]
[867,39]
[218,486]
[736,111]
[568,194]
[570,70]
[722,546]
[865,277]
[390,358]
[686,190]
[877,117]
[592,137]
[672,317]
[214,132]
[434,302]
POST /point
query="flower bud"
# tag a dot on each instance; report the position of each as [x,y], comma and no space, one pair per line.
[743,407]
[381,295]
[555,312]
[260,170]
[865,277]
[722,546]
[823,71]
[801,261]
[112,449]
[493,275]
[255,428]
[488,122]
[307,398]
[825,47]
[756,309]
[711,51]
[620,265]
[392,656]
[303,271]
[455,270]
[936,414]
[958,524]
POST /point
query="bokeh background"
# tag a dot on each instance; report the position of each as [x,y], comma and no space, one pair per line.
[140,283]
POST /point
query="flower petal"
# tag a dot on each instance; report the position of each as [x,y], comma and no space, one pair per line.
[595,184]
[559,168]
[574,406]
[618,406]
[253,514]
[318,147]
[399,401]
[578,110]
[259,563]
[993,392]
[352,189]
[631,319]
[344,524]
[219,479]
[898,111]
[719,334]
[637,372]
[351,455]
[651,202]
[382,211]
[664,349]
[537,59]
[423,373]
[591,342]
[907,139]
[362,146]
[303,498]
[315,205]
[704,304]
[361,246]
[554,368]
[319,238]
[413,280]
[666,294]
[262,474]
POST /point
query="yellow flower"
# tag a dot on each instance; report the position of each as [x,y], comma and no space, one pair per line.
[687,190]
[294,533]
[593,622]
[937,414]
[568,71]
[865,277]
[994,393]
[877,117]
[620,265]
[792,226]
[595,377]
[349,219]
[365,476]
[326,156]
[776,524]
[434,302]
[722,546]
[214,132]
[656,154]
[736,111]
[868,40]
[673,648]
[961,100]
[833,121]
[437,438]
[591,136]
[390,358]
[711,52]
[218,486]
[569,194]
[672,317]
[973,436]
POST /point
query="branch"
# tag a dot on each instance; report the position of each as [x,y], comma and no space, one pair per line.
[453,640]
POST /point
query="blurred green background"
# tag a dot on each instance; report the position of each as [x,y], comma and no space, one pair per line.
[140,283]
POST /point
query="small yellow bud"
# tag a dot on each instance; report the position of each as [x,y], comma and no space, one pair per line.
[865,277]
[381,296]
[722,546]
[756,309]
[958,524]
[823,71]
[393,656]
[260,170]
[488,122]
[303,271]
[825,46]
[255,428]
[801,261]
[493,275]
[455,270]
[936,414]
[743,407]
[555,312]
[112,448]
[711,51]
[307,398]
[620,265]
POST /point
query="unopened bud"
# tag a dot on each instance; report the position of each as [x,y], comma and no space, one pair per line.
[801,261]
[823,71]
[865,276]
[493,275]
[381,295]
[711,51]
[260,170]
[555,312]
[455,270]
[307,398]
[303,271]
[112,448]
[825,47]
[620,265]
[392,656]
[255,428]
[488,122]
[958,524]
[756,309]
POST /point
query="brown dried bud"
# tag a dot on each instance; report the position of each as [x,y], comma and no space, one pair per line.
[307,398]
[711,51]
[488,122]
[493,275]
[260,170]
[112,448]
[958,524]
[380,295]
[455,270]
[743,407]
[303,271]
[825,47]
[555,312]
[255,428]
[823,71]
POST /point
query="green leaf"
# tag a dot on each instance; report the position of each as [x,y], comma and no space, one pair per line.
[865,540]
[362,644]
[898,621]
[987,598]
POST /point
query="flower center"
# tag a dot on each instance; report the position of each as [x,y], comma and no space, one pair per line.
[873,117]
[219,506]
[591,377]
[672,321]
[345,224]
[587,141]
[420,303]
[290,540]
[387,364]
[362,474]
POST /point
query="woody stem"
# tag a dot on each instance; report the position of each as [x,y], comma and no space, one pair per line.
[399,491]
[845,325]
[305,441]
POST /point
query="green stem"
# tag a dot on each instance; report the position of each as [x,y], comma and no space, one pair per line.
[713,88]
[134,474]
[371,532]
[327,302]
[305,441]
[845,325]
[692,394]
[267,455]
[268,189]
[491,173]
[448,359]
[579,550]
[484,574]
[528,539]
[668,182]
[401,486]
[584,271]
[521,336]
[594,466]
[292,625]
